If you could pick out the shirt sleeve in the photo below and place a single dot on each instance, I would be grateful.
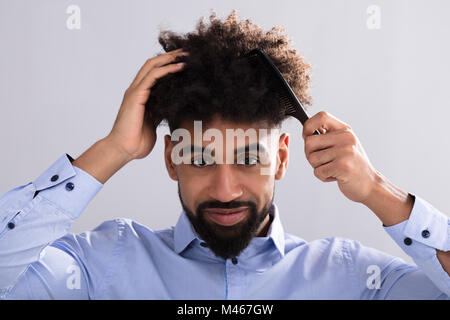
(426, 230)
(34, 215)
(375, 275)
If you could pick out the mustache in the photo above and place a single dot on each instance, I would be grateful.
(214, 204)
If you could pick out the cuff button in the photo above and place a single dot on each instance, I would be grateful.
(425, 233)
(70, 186)
(407, 241)
(11, 225)
(54, 178)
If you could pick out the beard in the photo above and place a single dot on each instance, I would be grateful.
(227, 241)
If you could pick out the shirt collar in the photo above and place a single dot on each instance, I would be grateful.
(185, 233)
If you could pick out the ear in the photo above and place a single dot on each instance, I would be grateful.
(171, 167)
(282, 156)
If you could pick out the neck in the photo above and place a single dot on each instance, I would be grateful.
(264, 227)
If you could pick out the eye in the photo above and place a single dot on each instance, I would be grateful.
(200, 162)
(248, 160)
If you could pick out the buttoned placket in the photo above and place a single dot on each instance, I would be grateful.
(235, 281)
(234, 276)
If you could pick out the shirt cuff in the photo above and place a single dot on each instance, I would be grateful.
(67, 186)
(426, 230)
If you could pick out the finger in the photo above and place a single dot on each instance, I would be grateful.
(325, 172)
(150, 78)
(323, 122)
(315, 143)
(321, 157)
(157, 61)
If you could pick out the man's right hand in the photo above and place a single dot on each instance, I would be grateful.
(130, 133)
(131, 137)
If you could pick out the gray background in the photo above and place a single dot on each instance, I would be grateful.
(60, 91)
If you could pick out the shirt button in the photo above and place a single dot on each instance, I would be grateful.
(407, 241)
(54, 178)
(11, 225)
(70, 186)
(203, 244)
(425, 233)
(234, 260)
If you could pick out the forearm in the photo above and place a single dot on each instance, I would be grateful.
(390, 204)
(102, 160)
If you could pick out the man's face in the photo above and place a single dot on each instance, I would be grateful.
(228, 203)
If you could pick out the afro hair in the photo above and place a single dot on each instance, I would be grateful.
(215, 81)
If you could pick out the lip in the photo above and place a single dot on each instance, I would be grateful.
(227, 217)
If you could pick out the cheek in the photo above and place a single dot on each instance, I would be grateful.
(192, 187)
(261, 188)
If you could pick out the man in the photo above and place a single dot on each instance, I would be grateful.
(229, 242)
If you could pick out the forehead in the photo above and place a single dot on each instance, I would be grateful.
(229, 134)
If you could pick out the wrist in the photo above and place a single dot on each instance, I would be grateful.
(119, 152)
(102, 160)
(390, 204)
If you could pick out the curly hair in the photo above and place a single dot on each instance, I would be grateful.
(215, 81)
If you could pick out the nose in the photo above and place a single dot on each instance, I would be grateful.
(225, 184)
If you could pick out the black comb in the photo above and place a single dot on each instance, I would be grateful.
(292, 106)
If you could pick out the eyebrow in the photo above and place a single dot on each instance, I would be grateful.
(254, 146)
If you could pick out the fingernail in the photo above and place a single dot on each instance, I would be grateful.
(184, 53)
(181, 64)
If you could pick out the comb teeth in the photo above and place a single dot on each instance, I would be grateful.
(285, 100)
(251, 58)
(289, 107)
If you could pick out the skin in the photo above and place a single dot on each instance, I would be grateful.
(227, 182)
(335, 155)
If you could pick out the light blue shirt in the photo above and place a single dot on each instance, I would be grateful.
(122, 259)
